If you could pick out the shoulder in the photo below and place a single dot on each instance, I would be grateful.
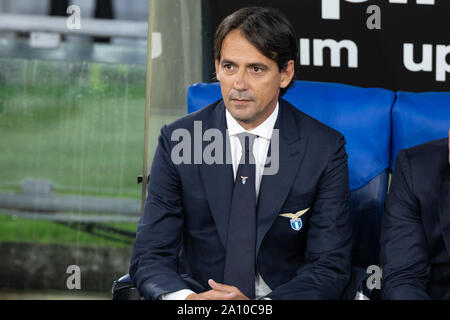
(204, 115)
(312, 128)
(433, 153)
(425, 164)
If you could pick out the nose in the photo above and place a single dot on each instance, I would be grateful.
(240, 82)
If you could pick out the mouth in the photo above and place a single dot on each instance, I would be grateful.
(241, 102)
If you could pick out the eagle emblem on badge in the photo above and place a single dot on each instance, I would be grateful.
(296, 221)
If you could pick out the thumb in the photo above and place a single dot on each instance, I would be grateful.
(217, 286)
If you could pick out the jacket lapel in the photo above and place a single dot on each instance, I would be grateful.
(275, 188)
(218, 178)
(444, 208)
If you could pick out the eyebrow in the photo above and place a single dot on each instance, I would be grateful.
(250, 65)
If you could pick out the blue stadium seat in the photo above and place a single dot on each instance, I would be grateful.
(418, 118)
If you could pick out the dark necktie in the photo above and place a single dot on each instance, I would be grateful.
(240, 255)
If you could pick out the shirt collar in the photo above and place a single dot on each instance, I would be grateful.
(264, 130)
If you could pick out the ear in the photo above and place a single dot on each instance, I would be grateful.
(216, 63)
(287, 74)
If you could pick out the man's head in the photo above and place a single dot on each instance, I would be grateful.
(255, 52)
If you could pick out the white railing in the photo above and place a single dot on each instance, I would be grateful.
(89, 27)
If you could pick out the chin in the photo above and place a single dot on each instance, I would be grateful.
(241, 115)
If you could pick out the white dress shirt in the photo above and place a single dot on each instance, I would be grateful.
(260, 148)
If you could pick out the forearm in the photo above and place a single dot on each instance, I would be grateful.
(177, 295)
(322, 279)
(406, 291)
(158, 241)
(404, 255)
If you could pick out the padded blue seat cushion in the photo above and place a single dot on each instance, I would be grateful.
(418, 118)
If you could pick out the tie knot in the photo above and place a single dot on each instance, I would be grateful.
(246, 140)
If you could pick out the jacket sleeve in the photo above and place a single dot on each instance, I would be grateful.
(404, 258)
(326, 271)
(153, 266)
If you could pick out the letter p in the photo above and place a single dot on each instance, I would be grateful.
(331, 9)
(442, 66)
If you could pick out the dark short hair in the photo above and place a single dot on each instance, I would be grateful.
(265, 28)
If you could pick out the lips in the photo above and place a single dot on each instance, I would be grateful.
(240, 102)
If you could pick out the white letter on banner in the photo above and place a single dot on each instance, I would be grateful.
(427, 58)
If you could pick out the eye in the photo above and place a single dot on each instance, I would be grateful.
(257, 69)
(228, 67)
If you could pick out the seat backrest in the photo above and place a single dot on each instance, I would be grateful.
(418, 118)
(363, 116)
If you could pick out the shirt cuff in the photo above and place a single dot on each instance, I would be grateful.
(177, 295)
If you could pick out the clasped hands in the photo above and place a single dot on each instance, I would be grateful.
(218, 291)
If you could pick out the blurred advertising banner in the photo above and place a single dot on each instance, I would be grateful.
(392, 44)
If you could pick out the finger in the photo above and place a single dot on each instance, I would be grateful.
(213, 284)
(220, 286)
(218, 295)
(222, 295)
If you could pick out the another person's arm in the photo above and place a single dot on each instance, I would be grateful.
(404, 258)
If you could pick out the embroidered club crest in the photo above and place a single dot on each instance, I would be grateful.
(295, 220)
(296, 224)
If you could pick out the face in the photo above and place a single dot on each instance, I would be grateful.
(250, 81)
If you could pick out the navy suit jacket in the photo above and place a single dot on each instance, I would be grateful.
(188, 206)
(415, 235)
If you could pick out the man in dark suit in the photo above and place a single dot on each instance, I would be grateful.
(415, 236)
(243, 229)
